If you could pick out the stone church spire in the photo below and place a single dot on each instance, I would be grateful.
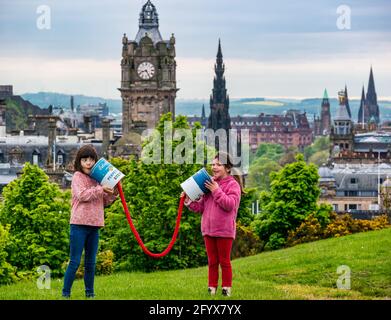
(371, 98)
(362, 112)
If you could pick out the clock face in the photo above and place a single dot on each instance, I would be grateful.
(146, 70)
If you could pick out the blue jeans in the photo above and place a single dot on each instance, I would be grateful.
(87, 238)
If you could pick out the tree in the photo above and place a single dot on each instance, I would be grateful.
(289, 156)
(259, 174)
(270, 151)
(293, 196)
(38, 213)
(320, 144)
(6, 270)
(319, 158)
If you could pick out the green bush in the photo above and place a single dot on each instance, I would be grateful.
(7, 273)
(344, 224)
(104, 264)
(247, 243)
(38, 212)
(311, 229)
(293, 196)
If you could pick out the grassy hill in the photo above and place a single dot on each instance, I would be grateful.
(307, 271)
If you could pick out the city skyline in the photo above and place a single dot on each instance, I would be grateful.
(274, 50)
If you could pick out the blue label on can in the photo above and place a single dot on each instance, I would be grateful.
(100, 169)
(200, 178)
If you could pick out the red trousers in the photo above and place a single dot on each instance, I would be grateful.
(219, 253)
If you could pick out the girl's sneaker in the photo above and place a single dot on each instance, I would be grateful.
(226, 291)
(212, 291)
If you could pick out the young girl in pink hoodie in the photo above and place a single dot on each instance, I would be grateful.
(219, 209)
(88, 201)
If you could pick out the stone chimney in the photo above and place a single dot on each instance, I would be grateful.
(3, 126)
(52, 124)
(87, 123)
(105, 137)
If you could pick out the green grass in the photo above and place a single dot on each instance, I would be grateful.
(307, 271)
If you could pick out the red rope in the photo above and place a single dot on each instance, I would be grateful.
(138, 238)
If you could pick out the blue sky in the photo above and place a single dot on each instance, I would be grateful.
(274, 48)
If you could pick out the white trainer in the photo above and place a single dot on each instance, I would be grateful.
(212, 290)
(226, 291)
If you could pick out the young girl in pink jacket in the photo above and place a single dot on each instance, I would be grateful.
(219, 209)
(87, 216)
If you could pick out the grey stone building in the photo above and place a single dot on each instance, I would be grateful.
(354, 188)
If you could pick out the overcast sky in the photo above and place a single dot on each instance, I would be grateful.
(276, 48)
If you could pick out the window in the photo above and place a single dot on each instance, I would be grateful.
(353, 180)
(36, 156)
(352, 206)
(60, 159)
(35, 159)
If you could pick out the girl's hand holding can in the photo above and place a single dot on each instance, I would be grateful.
(108, 190)
(212, 186)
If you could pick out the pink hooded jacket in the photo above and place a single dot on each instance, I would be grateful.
(88, 201)
(219, 209)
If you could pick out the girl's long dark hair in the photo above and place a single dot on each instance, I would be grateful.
(87, 151)
(226, 160)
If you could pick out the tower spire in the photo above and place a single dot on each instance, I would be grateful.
(219, 117)
(325, 116)
(361, 112)
(347, 101)
(149, 23)
(371, 93)
(219, 91)
(371, 98)
(219, 52)
(325, 95)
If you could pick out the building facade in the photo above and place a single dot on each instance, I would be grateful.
(289, 129)
(354, 188)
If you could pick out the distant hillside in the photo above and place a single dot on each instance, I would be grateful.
(44, 99)
(17, 112)
(243, 106)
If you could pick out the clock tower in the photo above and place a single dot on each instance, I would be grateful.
(148, 79)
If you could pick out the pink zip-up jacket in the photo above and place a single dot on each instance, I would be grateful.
(219, 209)
(88, 201)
